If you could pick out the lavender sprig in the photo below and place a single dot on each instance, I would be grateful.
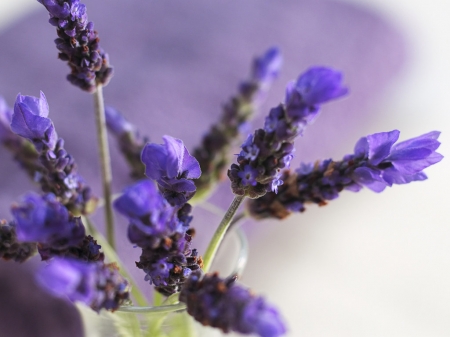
(45, 221)
(214, 151)
(128, 139)
(78, 44)
(10, 247)
(377, 163)
(163, 233)
(223, 304)
(96, 284)
(265, 153)
(58, 173)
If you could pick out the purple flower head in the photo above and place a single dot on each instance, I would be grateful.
(389, 164)
(116, 122)
(377, 162)
(223, 304)
(266, 68)
(151, 217)
(78, 44)
(95, 284)
(30, 121)
(45, 220)
(318, 85)
(171, 165)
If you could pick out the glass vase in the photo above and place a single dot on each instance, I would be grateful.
(167, 320)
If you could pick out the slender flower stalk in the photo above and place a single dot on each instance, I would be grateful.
(377, 163)
(220, 232)
(105, 164)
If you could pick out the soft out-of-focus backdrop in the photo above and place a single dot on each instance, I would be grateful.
(366, 264)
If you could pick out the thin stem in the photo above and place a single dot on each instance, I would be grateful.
(113, 257)
(236, 221)
(220, 233)
(105, 162)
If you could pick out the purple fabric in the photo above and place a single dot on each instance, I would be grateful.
(177, 61)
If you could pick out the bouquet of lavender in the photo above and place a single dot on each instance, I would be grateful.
(82, 266)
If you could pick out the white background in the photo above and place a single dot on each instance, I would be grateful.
(369, 265)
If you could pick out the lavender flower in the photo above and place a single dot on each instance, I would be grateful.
(46, 221)
(214, 150)
(225, 305)
(171, 165)
(10, 248)
(30, 121)
(130, 143)
(97, 285)
(269, 150)
(163, 233)
(375, 164)
(78, 44)
(57, 172)
(23, 151)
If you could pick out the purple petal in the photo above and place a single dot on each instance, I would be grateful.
(139, 199)
(415, 166)
(320, 84)
(191, 166)
(428, 140)
(380, 145)
(154, 157)
(175, 152)
(370, 178)
(392, 176)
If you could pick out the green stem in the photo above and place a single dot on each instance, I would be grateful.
(105, 162)
(113, 257)
(220, 233)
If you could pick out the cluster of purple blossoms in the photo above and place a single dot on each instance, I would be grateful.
(265, 153)
(10, 247)
(45, 221)
(214, 151)
(56, 170)
(96, 284)
(163, 233)
(173, 168)
(78, 44)
(223, 304)
(377, 162)
(128, 139)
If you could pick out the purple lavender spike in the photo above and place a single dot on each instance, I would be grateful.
(269, 150)
(78, 44)
(44, 220)
(223, 304)
(163, 233)
(95, 284)
(377, 163)
(55, 169)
